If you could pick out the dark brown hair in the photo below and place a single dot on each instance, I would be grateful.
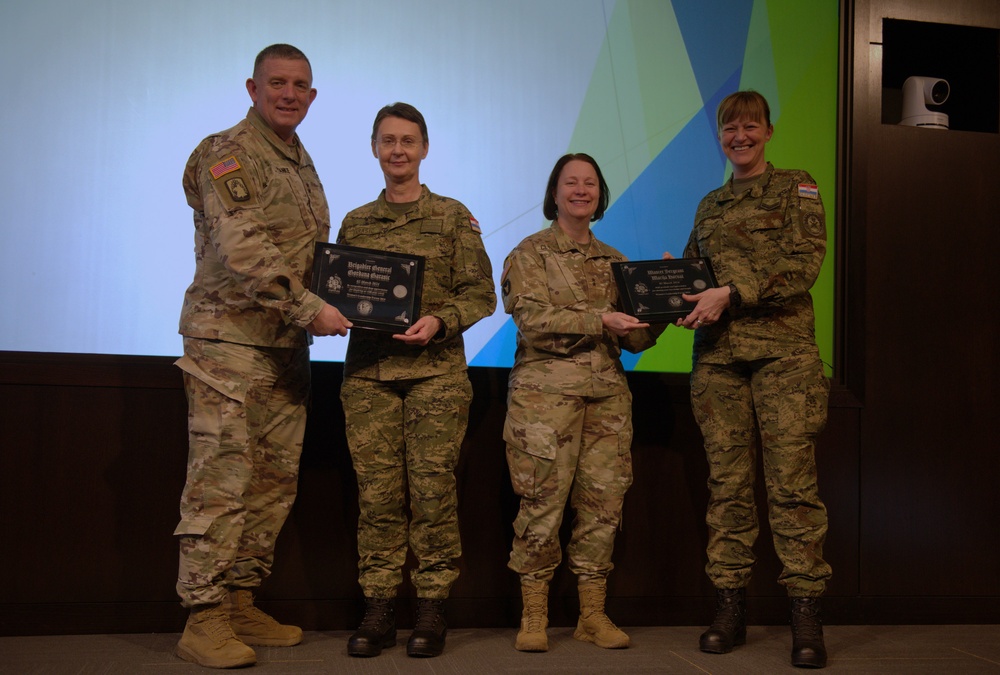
(403, 111)
(549, 209)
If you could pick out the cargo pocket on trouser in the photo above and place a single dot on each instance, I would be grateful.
(625, 476)
(608, 467)
(200, 564)
(532, 445)
(531, 457)
(699, 386)
(531, 453)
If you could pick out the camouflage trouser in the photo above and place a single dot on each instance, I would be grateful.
(405, 437)
(788, 399)
(567, 448)
(246, 420)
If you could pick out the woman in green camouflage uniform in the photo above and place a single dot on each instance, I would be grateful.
(757, 370)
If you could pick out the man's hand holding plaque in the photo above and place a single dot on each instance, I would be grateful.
(329, 321)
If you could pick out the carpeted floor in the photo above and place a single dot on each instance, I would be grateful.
(853, 649)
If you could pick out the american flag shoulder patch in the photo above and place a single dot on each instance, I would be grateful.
(474, 224)
(808, 191)
(224, 167)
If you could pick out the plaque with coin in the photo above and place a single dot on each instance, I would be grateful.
(651, 290)
(378, 290)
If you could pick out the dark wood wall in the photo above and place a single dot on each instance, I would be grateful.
(922, 234)
(93, 448)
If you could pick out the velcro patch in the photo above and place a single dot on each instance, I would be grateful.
(224, 167)
(238, 189)
(474, 224)
(813, 225)
(808, 191)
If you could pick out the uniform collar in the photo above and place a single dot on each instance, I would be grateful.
(382, 210)
(292, 151)
(564, 244)
(756, 192)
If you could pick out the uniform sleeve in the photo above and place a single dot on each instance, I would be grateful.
(472, 295)
(544, 305)
(243, 236)
(791, 262)
(691, 248)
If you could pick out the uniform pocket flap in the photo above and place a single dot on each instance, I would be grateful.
(196, 525)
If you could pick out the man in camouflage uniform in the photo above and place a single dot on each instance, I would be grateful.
(757, 368)
(406, 396)
(259, 208)
(569, 410)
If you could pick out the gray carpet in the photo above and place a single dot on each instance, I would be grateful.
(853, 649)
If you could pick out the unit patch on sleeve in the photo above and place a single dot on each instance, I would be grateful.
(238, 189)
(814, 225)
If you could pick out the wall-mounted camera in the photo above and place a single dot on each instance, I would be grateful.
(920, 92)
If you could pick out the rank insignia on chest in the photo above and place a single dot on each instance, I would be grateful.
(808, 191)
(225, 166)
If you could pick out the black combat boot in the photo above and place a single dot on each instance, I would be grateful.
(429, 631)
(377, 630)
(730, 625)
(808, 650)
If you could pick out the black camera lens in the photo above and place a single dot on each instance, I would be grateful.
(939, 93)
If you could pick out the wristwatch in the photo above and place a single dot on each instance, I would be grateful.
(734, 296)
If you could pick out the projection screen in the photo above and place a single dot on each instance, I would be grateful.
(107, 98)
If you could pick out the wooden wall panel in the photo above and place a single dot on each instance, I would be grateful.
(930, 227)
(93, 467)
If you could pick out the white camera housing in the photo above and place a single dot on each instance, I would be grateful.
(918, 93)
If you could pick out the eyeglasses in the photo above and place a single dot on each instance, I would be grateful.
(388, 142)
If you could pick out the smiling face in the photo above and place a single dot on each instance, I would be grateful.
(281, 91)
(578, 191)
(400, 146)
(743, 142)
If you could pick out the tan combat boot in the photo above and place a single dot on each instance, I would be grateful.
(594, 625)
(534, 617)
(208, 640)
(254, 627)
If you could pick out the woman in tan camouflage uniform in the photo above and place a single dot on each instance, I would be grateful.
(569, 411)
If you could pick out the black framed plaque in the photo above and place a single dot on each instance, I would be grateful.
(651, 290)
(374, 289)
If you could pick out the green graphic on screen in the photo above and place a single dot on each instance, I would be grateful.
(648, 118)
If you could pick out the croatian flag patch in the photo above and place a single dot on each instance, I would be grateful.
(808, 191)
(474, 224)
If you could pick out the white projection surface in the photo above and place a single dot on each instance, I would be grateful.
(106, 99)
